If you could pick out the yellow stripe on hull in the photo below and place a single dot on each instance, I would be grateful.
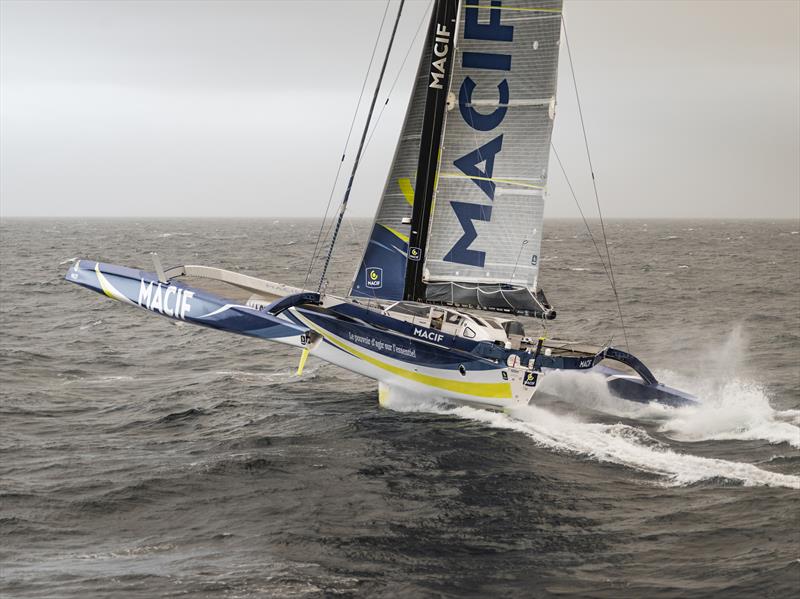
(108, 288)
(487, 390)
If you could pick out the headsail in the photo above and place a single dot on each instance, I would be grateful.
(382, 271)
(483, 249)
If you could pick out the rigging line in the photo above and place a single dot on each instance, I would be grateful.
(399, 72)
(519, 253)
(343, 205)
(585, 222)
(594, 184)
(314, 254)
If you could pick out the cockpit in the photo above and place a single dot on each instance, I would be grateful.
(502, 331)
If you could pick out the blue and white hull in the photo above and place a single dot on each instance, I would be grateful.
(401, 356)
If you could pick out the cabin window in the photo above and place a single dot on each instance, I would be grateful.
(453, 318)
(410, 309)
(514, 327)
(493, 324)
(469, 333)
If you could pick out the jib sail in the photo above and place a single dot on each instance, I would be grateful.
(382, 272)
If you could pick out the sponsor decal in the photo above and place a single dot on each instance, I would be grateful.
(168, 300)
(477, 63)
(414, 253)
(441, 48)
(384, 347)
(428, 334)
(530, 379)
(585, 363)
(374, 277)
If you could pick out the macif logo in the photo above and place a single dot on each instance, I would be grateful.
(480, 65)
(374, 277)
(440, 50)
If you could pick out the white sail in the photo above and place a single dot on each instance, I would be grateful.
(486, 227)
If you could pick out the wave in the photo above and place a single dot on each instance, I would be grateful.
(736, 410)
(276, 377)
(619, 443)
(739, 410)
(730, 408)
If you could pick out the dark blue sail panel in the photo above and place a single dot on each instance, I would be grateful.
(393, 217)
(382, 272)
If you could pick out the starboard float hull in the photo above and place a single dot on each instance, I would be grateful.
(401, 356)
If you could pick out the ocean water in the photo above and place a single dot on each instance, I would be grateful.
(140, 458)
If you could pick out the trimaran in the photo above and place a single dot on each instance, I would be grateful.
(452, 258)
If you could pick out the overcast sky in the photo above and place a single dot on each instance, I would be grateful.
(242, 109)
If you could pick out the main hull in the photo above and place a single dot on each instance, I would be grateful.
(399, 362)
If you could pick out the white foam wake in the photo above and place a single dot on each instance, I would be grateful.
(612, 443)
(731, 406)
(736, 409)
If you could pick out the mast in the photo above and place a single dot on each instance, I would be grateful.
(444, 35)
(343, 206)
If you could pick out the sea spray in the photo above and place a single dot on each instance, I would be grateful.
(731, 406)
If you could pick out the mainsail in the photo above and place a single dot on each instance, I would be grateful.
(476, 227)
